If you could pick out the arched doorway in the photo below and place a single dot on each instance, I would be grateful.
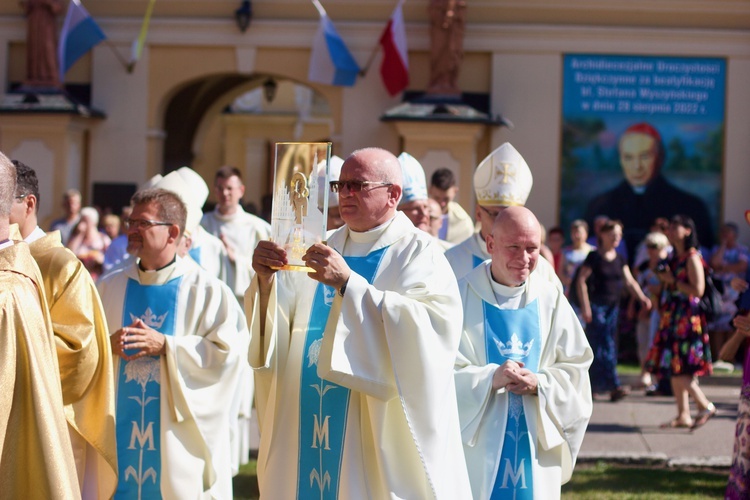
(235, 119)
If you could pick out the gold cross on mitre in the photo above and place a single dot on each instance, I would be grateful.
(504, 172)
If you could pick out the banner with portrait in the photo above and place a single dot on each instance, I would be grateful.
(643, 137)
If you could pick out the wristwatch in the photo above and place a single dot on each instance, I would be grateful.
(343, 287)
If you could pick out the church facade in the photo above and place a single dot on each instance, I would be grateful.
(204, 93)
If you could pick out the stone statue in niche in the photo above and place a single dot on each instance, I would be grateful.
(41, 42)
(447, 25)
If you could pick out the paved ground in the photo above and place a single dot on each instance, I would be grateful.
(628, 431)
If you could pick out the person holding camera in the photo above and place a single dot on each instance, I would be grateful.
(681, 347)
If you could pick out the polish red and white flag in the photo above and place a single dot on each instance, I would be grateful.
(394, 67)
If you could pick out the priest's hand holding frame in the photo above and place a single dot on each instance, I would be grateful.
(330, 267)
(268, 258)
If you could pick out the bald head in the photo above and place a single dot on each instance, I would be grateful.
(376, 202)
(381, 163)
(514, 244)
(7, 186)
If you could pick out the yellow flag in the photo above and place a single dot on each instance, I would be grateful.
(138, 43)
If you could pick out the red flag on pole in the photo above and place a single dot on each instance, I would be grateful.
(394, 67)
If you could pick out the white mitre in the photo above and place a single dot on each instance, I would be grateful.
(151, 182)
(196, 184)
(334, 171)
(174, 182)
(415, 183)
(503, 178)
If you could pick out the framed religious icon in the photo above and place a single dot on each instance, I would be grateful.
(300, 202)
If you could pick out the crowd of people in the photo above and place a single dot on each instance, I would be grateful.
(424, 354)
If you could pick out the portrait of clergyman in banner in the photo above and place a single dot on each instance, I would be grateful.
(645, 193)
(643, 137)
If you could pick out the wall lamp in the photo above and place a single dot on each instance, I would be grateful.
(269, 89)
(244, 15)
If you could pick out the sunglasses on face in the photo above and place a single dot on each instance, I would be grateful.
(356, 186)
(143, 223)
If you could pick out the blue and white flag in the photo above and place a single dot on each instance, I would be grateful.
(330, 62)
(79, 34)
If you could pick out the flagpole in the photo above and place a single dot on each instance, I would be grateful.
(137, 48)
(363, 71)
(374, 52)
(118, 55)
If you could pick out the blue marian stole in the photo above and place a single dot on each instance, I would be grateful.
(195, 253)
(476, 260)
(514, 334)
(138, 387)
(324, 405)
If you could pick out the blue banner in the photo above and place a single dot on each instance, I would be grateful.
(643, 137)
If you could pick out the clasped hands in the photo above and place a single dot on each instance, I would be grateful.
(137, 335)
(328, 265)
(513, 377)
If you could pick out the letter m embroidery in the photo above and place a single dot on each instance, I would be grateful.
(514, 475)
(142, 437)
(320, 433)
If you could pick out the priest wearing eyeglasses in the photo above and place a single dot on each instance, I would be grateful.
(354, 361)
(179, 342)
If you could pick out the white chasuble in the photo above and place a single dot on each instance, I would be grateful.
(242, 231)
(176, 412)
(209, 252)
(386, 345)
(521, 446)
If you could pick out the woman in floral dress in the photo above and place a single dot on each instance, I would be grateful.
(738, 486)
(681, 346)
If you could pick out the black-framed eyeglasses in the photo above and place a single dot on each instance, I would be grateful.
(491, 214)
(143, 223)
(356, 186)
(21, 197)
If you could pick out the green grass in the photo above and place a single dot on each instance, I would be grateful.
(246, 483)
(600, 481)
(623, 369)
(603, 481)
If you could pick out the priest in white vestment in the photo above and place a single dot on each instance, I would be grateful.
(208, 252)
(81, 341)
(180, 345)
(503, 179)
(238, 230)
(524, 393)
(354, 361)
